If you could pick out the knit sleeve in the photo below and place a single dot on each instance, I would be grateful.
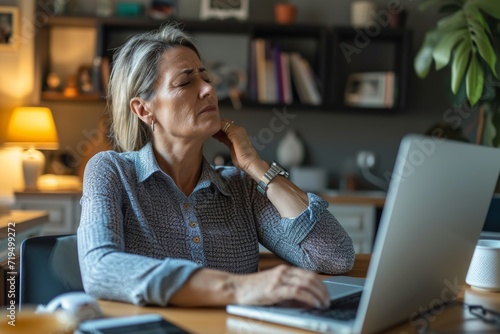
(313, 240)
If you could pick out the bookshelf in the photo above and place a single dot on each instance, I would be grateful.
(360, 51)
(316, 44)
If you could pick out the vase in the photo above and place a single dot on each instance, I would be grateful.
(362, 13)
(290, 150)
(285, 13)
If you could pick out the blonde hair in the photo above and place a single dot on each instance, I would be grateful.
(134, 74)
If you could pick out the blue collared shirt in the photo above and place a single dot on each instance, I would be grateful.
(140, 237)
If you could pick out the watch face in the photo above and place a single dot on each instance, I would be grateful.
(281, 170)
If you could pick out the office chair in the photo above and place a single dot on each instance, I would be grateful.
(48, 267)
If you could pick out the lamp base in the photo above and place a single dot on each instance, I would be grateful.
(33, 164)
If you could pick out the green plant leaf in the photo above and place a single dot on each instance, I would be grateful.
(473, 14)
(484, 46)
(442, 51)
(490, 7)
(459, 65)
(474, 81)
(454, 21)
(423, 59)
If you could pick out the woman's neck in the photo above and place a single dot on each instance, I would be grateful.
(182, 163)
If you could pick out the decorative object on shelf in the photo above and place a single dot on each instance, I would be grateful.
(465, 40)
(224, 9)
(104, 8)
(85, 81)
(32, 128)
(362, 13)
(9, 26)
(162, 9)
(229, 81)
(53, 82)
(290, 150)
(371, 90)
(129, 9)
(71, 88)
(285, 13)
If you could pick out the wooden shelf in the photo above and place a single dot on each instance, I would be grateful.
(58, 96)
(319, 44)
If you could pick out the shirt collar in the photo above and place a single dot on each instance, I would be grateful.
(146, 166)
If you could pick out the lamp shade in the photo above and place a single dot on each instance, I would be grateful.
(32, 127)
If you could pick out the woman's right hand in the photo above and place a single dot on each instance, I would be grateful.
(281, 284)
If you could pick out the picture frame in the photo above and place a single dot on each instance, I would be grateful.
(224, 9)
(9, 28)
(370, 90)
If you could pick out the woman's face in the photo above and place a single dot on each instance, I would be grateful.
(185, 103)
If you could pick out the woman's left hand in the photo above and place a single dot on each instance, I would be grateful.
(243, 154)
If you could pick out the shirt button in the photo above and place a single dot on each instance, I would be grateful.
(186, 205)
(196, 239)
(198, 261)
(192, 224)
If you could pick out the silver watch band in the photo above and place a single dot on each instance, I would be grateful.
(274, 170)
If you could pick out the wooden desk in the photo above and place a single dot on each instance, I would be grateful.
(217, 321)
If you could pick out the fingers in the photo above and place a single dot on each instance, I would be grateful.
(226, 124)
(283, 284)
(306, 287)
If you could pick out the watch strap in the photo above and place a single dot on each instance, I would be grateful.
(274, 170)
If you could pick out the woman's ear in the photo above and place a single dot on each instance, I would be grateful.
(137, 105)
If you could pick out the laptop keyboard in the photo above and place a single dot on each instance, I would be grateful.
(342, 309)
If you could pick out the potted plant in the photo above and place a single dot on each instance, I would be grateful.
(467, 39)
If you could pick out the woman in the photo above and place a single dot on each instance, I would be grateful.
(161, 226)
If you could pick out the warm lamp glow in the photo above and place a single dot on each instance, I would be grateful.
(32, 127)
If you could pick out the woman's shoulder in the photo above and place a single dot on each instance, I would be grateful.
(111, 159)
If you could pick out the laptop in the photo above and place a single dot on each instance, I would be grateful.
(436, 205)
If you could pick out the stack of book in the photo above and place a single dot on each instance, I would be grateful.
(275, 74)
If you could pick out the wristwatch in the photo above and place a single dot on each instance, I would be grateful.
(275, 169)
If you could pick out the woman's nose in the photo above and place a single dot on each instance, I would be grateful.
(206, 89)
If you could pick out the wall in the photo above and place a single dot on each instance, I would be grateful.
(332, 138)
(16, 87)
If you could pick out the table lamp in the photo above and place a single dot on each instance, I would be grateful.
(32, 128)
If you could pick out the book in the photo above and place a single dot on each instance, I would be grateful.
(298, 77)
(286, 83)
(260, 60)
(271, 84)
(311, 87)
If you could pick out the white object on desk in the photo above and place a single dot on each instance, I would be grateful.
(484, 270)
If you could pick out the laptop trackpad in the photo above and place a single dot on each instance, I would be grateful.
(343, 286)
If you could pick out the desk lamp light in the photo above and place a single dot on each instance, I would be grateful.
(32, 128)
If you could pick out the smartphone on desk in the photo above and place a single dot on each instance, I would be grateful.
(137, 324)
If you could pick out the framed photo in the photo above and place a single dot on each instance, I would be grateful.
(224, 9)
(370, 90)
(9, 26)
